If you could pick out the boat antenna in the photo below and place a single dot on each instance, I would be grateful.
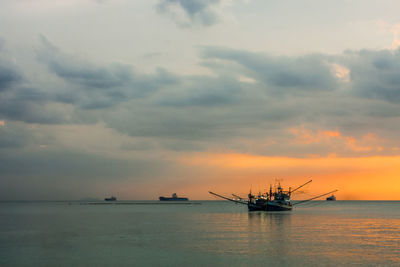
(315, 197)
(301, 186)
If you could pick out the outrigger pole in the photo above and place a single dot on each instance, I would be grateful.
(238, 197)
(227, 198)
(314, 197)
(301, 186)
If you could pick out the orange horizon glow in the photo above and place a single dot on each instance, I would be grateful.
(363, 178)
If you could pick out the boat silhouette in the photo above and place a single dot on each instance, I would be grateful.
(277, 200)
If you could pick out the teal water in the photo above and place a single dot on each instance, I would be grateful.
(213, 233)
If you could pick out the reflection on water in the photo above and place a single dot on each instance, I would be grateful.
(327, 235)
(269, 232)
(214, 233)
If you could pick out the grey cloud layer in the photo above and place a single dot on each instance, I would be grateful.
(8, 77)
(375, 74)
(307, 72)
(99, 87)
(20, 102)
(372, 74)
(212, 110)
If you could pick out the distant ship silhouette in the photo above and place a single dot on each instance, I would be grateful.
(173, 198)
(331, 198)
(112, 198)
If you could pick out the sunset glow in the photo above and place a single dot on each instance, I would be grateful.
(144, 98)
(355, 178)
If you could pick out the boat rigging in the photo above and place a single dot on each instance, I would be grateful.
(279, 200)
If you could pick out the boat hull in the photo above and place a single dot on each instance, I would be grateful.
(269, 206)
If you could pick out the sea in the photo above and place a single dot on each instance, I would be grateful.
(198, 233)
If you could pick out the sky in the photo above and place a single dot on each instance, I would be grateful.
(143, 98)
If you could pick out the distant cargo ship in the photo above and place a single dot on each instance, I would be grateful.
(173, 198)
(331, 198)
(112, 198)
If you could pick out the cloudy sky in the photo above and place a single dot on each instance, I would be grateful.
(145, 98)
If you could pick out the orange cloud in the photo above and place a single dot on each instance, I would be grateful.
(304, 136)
(351, 142)
(325, 137)
(331, 133)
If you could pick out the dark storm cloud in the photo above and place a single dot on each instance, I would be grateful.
(198, 11)
(306, 73)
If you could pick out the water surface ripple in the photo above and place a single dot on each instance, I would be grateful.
(212, 233)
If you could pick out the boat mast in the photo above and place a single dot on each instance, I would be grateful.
(270, 192)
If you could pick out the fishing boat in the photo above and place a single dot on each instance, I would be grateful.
(331, 198)
(272, 201)
(277, 200)
(112, 198)
(173, 198)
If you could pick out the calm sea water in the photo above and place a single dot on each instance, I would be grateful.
(213, 233)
